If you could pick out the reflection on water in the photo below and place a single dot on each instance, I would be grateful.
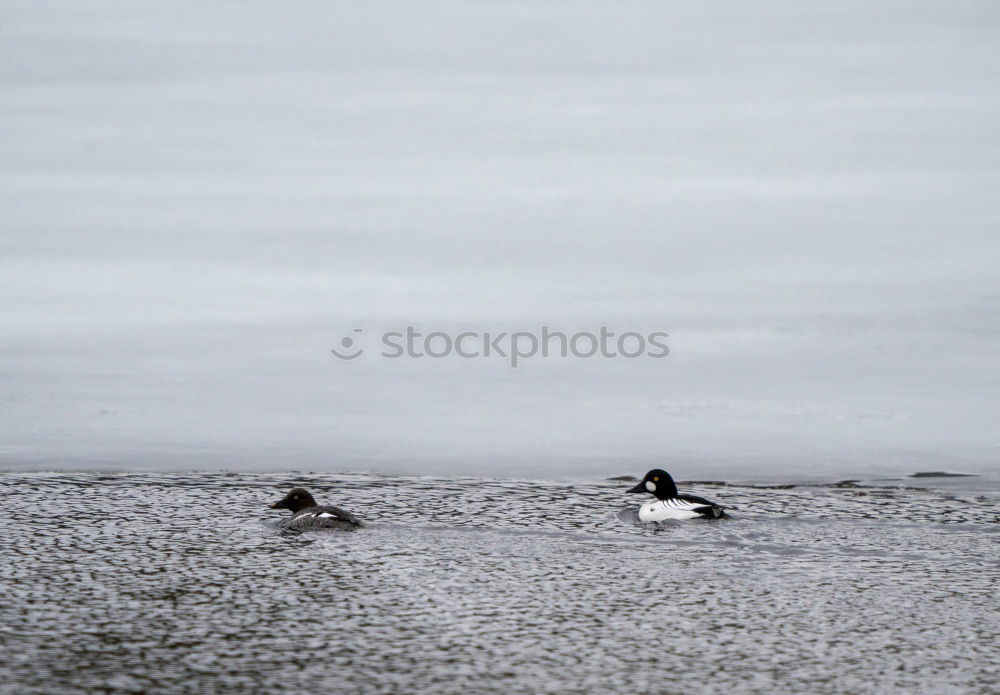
(177, 583)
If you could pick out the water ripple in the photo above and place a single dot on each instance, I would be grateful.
(180, 583)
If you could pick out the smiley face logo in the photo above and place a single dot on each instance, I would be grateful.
(347, 343)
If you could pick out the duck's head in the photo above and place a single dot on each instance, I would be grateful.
(658, 483)
(296, 500)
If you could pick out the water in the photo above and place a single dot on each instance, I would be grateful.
(123, 583)
(192, 213)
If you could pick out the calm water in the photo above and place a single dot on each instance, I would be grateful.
(182, 583)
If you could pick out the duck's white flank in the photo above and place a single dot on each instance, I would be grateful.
(660, 510)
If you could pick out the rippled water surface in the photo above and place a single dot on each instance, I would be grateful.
(184, 583)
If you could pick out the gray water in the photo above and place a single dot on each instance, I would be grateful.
(124, 583)
(200, 198)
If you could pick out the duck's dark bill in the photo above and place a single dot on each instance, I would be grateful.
(641, 487)
(280, 504)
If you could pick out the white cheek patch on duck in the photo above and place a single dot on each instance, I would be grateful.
(651, 486)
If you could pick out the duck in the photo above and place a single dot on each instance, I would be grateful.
(669, 504)
(307, 515)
